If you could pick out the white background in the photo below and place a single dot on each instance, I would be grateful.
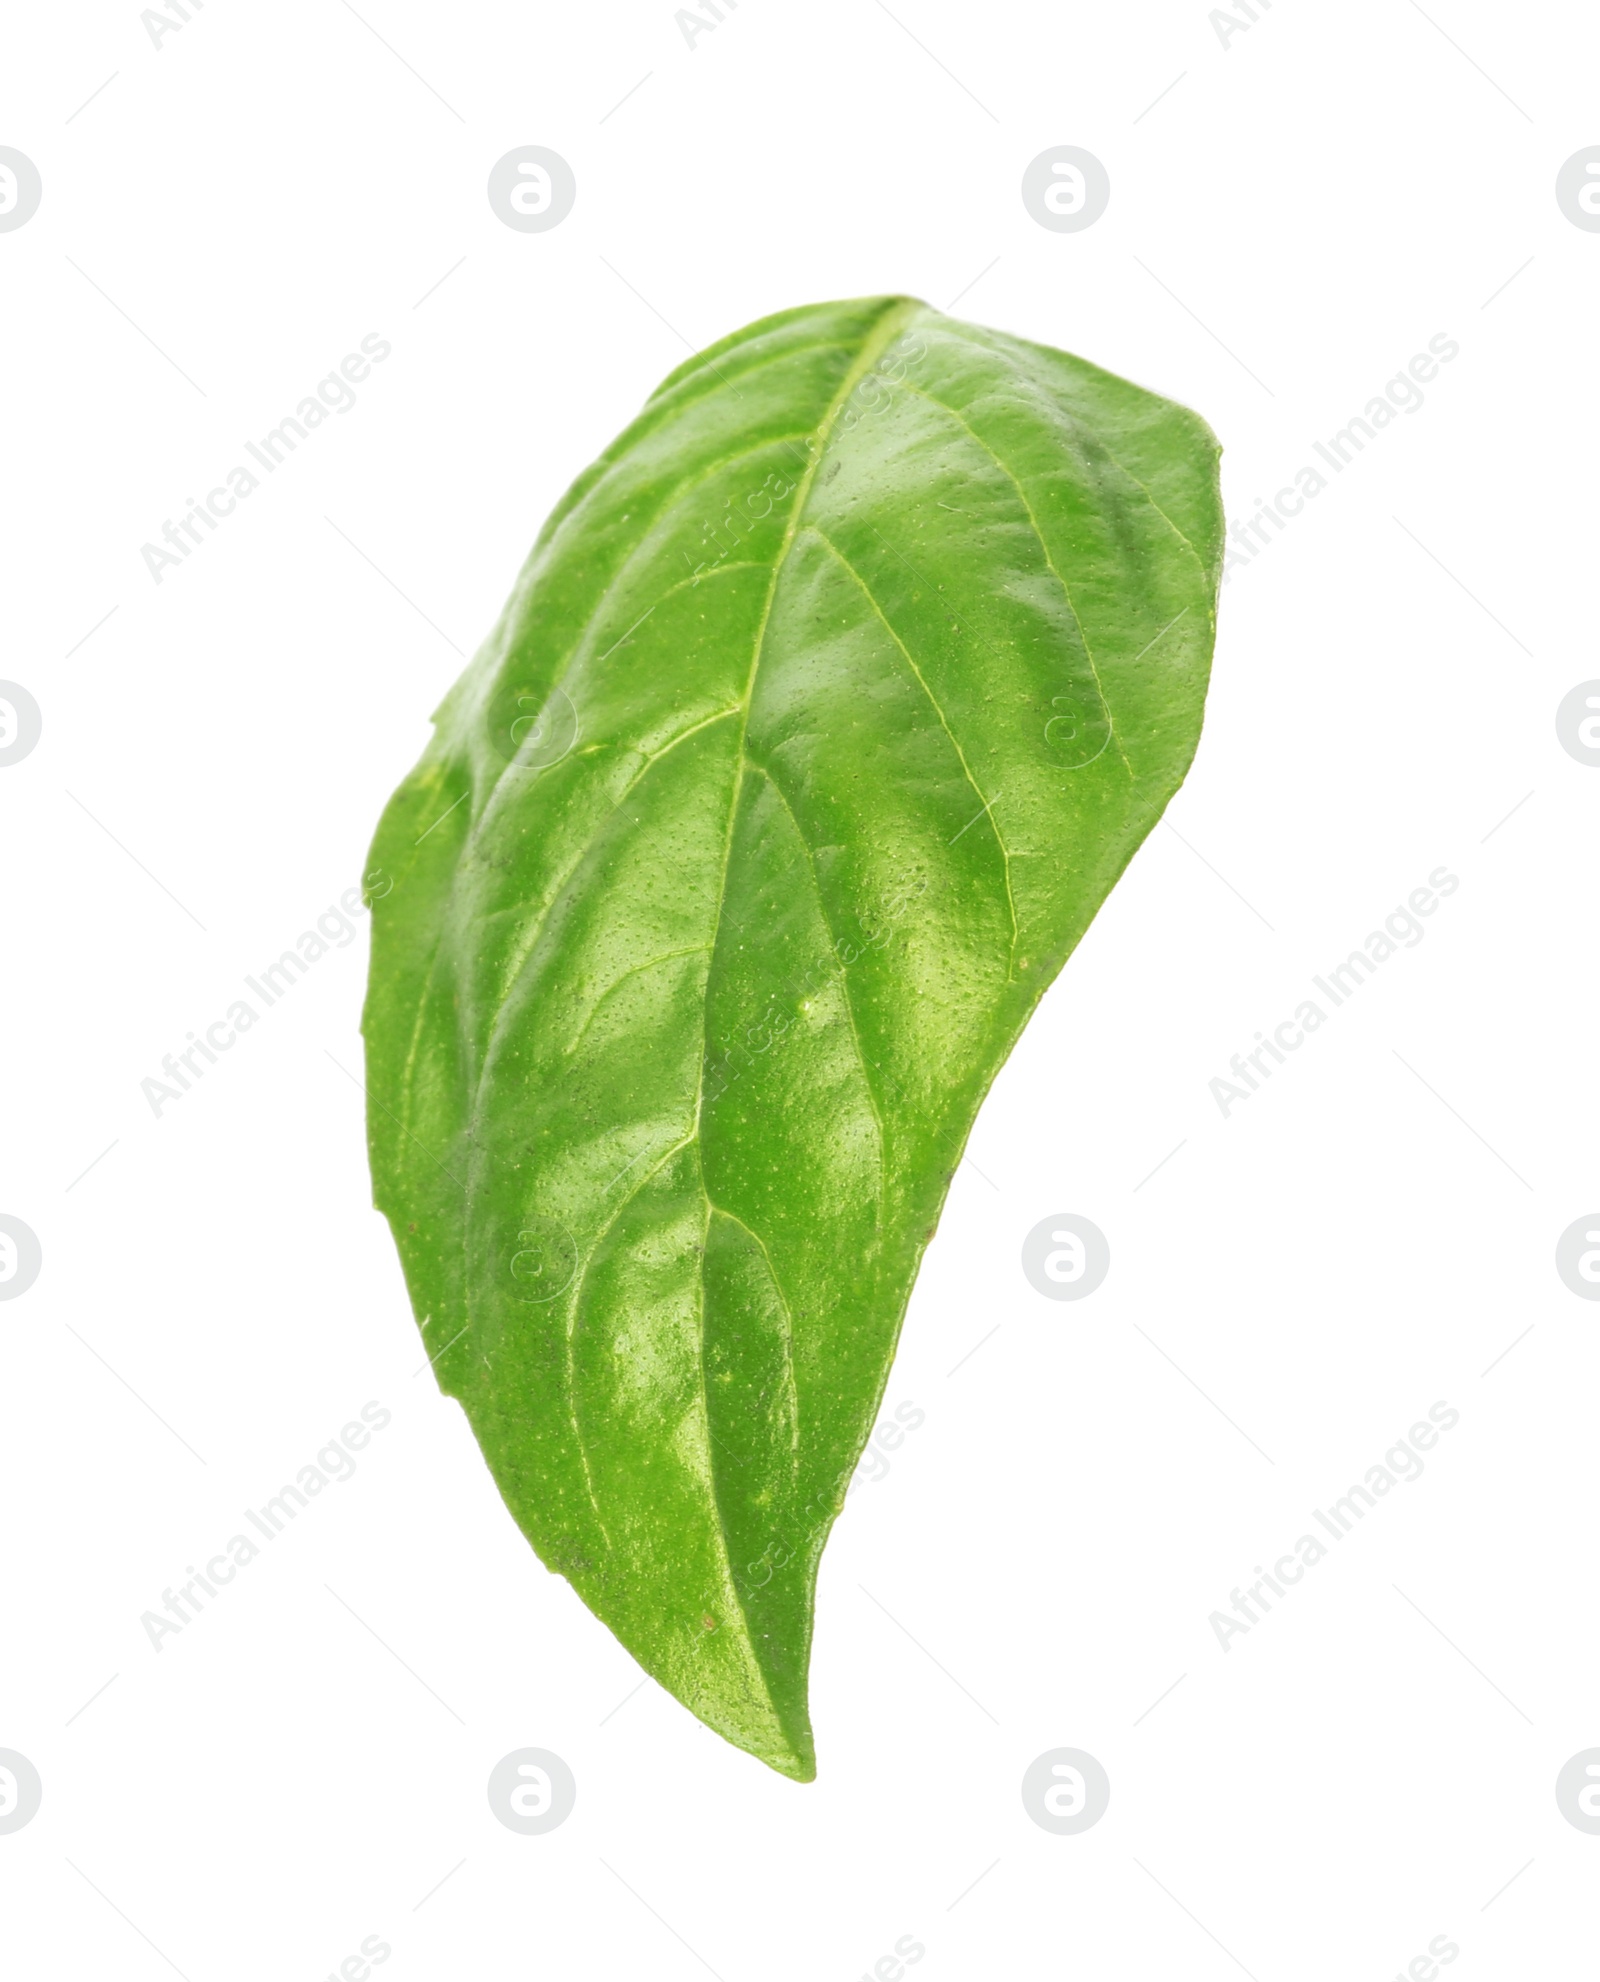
(1368, 1767)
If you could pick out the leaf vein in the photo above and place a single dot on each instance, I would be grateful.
(634, 970)
(661, 396)
(722, 1211)
(933, 702)
(1044, 547)
(522, 954)
(570, 1372)
(844, 982)
(1025, 364)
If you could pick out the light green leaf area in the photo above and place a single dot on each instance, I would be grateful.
(827, 709)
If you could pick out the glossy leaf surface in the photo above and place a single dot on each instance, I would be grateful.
(828, 708)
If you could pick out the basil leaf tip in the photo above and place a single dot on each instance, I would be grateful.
(827, 709)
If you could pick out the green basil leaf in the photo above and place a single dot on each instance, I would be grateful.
(829, 706)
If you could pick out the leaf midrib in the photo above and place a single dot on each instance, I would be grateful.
(872, 348)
